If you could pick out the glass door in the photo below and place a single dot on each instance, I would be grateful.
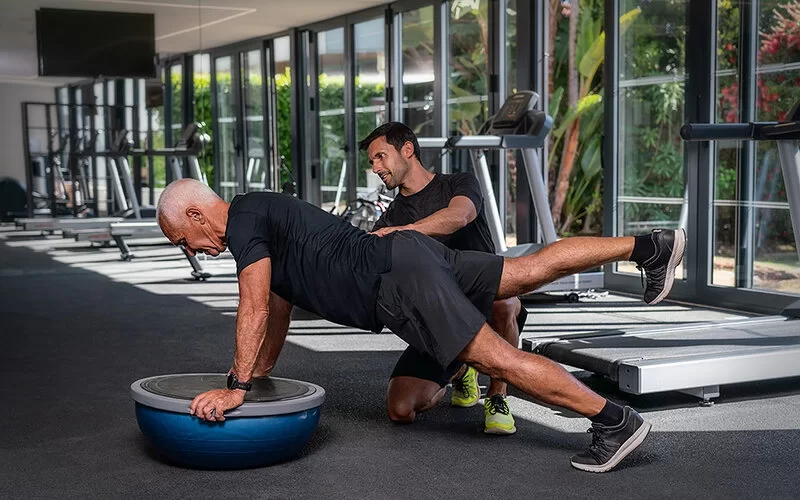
(652, 190)
(370, 94)
(332, 138)
(257, 172)
(242, 150)
(228, 145)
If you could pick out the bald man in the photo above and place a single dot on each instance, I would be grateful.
(289, 252)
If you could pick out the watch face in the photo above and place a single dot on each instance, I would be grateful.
(231, 378)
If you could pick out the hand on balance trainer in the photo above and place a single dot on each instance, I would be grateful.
(212, 405)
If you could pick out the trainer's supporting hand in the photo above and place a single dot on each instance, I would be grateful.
(212, 405)
(388, 230)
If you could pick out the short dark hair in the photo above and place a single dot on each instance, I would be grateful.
(396, 133)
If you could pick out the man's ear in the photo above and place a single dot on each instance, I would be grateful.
(407, 150)
(195, 215)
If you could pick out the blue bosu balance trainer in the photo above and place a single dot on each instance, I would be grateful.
(277, 418)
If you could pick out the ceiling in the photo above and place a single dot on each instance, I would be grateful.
(181, 25)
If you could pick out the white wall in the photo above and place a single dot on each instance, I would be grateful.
(12, 95)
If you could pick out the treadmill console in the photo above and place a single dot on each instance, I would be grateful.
(515, 109)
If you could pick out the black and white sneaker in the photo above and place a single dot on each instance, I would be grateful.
(611, 444)
(670, 245)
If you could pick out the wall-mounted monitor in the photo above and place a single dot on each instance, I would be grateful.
(91, 44)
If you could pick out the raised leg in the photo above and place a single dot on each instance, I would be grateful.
(525, 274)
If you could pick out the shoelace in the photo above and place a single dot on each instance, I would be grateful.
(460, 385)
(598, 449)
(653, 275)
(498, 405)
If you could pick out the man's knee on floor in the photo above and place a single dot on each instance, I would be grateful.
(401, 411)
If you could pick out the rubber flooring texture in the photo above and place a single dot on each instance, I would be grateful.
(73, 340)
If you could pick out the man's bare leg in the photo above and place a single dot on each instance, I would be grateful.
(504, 322)
(534, 375)
(564, 257)
(550, 383)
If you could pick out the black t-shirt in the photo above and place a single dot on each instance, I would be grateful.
(319, 262)
(436, 196)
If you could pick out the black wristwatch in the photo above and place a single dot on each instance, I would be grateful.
(233, 382)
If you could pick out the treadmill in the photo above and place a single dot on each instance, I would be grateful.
(698, 359)
(517, 126)
(143, 224)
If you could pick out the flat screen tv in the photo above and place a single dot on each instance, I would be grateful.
(88, 43)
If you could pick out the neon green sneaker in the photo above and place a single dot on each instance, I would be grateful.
(466, 391)
(498, 416)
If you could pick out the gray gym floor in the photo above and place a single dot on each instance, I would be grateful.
(78, 326)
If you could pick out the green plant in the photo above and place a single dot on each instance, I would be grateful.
(576, 105)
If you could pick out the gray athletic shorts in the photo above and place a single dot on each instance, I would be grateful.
(435, 298)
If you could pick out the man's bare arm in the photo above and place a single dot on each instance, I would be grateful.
(457, 214)
(251, 328)
(280, 313)
(252, 316)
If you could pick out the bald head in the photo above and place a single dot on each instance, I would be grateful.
(178, 197)
(192, 215)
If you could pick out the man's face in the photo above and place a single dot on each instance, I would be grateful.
(197, 236)
(387, 162)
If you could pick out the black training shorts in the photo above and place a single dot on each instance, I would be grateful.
(413, 363)
(435, 298)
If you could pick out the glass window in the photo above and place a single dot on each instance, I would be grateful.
(468, 67)
(201, 100)
(176, 113)
(652, 50)
(157, 125)
(256, 168)
(510, 11)
(226, 127)
(727, 152)
(331, 119)
(775, 265)
(370, 86)
(283, 105)
(575, 76)
(777, 79)
(418, 77)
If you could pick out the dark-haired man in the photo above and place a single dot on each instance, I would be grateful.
(449, 208)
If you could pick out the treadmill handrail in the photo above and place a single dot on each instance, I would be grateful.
(752, 131)
(432, 142)
(515, 141)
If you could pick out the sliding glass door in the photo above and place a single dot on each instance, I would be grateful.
(241, 137)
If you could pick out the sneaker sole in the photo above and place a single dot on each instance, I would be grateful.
(499, 431)
(627, 447)
(469, 405)
(674, 261)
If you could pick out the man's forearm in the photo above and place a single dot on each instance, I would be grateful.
(251, 328)
(442, 223)
(277, 328)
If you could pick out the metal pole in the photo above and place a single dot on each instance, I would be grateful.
(118, 189)
(52, 164)
(490, 205)
(539, 193)
(125, 172)
(28, 163)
